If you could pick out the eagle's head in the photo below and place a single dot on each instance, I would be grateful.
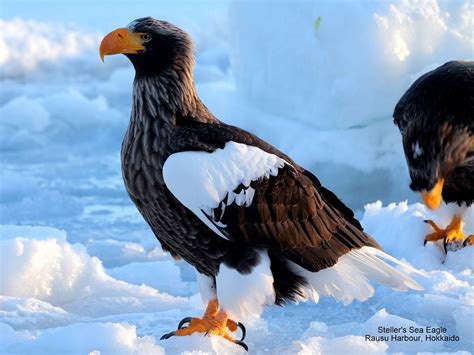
(153, 46)
(432, 118)
(434, 155)
(427, 162)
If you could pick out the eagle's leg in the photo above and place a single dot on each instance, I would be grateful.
(213, 322)
(453, 236)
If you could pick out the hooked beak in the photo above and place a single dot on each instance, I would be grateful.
(120, 41)
(432, 198)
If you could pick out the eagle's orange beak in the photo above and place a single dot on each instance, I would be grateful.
(432, 198)
(120, 41)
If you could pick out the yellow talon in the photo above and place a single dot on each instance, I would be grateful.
(453, 236)
(214, 322)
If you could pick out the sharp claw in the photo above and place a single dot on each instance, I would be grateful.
(244, 331)
(424, 242)
(467, 241)
(167, 335)
(242, 344)
(189, 319)
(454, 245)
(184, 321)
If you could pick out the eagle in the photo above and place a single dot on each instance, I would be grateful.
(436, 119)
(258, 228)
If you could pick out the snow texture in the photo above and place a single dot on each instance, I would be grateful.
(56, 300)
(80, 270)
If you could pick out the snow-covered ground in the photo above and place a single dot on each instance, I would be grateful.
(318, 79)
(58, 298)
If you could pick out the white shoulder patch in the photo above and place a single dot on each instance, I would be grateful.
(201, 180)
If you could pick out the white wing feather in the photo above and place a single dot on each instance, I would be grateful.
(201, 180)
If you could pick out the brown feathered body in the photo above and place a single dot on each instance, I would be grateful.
(293, 216)
(268, 219)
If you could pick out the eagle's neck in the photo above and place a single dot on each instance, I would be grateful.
(169, 97)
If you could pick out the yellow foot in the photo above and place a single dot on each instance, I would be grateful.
(453, 237)
(214, 322)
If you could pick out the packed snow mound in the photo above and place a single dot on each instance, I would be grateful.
(56, 290)
(31, 313)
(400, 229)
(65, 275)
(138, 273)
(352, 60)
(339, 345)
(114, 253)
(84, 338)
(57, 118)
(107, 338)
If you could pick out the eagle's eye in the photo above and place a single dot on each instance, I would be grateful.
(145, 37)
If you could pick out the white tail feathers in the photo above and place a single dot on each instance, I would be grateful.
(349, 278)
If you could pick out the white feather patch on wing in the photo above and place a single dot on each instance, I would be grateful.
(349, 278)
(207, 287)
(243, 295)
(201, 180)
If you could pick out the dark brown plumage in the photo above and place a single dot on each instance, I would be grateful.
(436, 119)
(294, 215)
(225, 201)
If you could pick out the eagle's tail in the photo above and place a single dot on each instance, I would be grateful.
(348, 279)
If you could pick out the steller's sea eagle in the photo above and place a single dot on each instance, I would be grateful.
(436, 119)
(258, 228)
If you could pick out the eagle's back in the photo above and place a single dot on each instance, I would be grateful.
(443, 95)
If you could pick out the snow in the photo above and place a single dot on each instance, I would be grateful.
(90, 338)
(64, 275)
(138, 273)
(80, 270)
(359, 47)
(55, 289)
(339, 345)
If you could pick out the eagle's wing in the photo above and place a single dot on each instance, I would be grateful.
(249, 192)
